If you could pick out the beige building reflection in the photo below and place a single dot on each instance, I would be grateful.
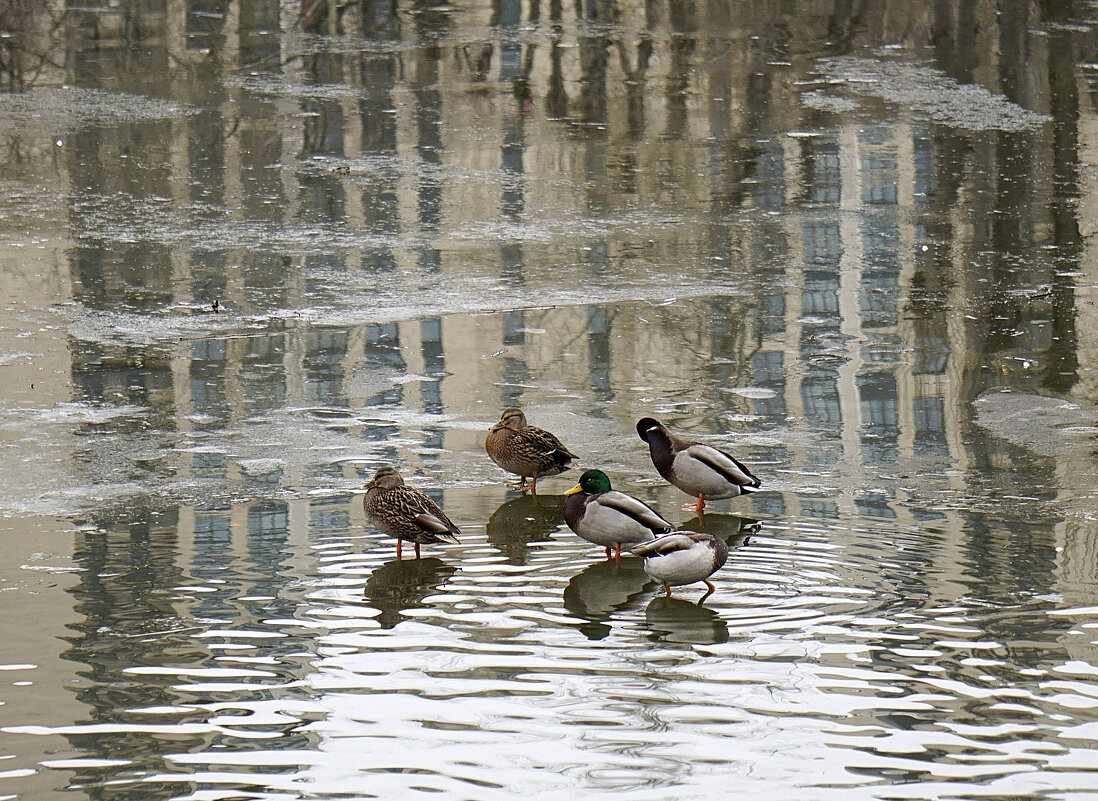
(870, 326)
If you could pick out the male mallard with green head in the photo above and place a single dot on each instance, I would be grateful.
(607, 517)
(697, 469)
(405, 512)
(683, 557)
(526, 450)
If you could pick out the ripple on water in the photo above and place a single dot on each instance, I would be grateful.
(522, 662)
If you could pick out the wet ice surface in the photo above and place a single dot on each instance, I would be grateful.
(910, 606)
(68, 108)
(930, 93)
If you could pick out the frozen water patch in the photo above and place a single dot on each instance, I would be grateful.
(1040, 424)
(302, 44)
(260, 467)
(14, 356)
(67, 414)
(127, 220)
(265, 84)
(394, 169)
(70, 108)
(147, 329)
(753, 393)
(821, 101)
(932, 93)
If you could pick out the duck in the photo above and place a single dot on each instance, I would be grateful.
(683, 557)
(405, 512)
(609, 518)
(697, 469)
(526, 450)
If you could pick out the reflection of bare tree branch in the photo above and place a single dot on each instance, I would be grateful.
(30, 31)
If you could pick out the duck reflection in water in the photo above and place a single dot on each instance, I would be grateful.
(521, 521)
(733, 529)
(402, 584)
(676, 620)
(603, 588)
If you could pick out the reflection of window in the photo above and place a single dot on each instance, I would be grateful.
(874, 507)
(823, 244)
(383, 345)
(768, 504)
(820, 300)
(882, 347)
(513, 325)
(880, 429)
(880, 194)
(820, 396)
(878, 166)
(268, 519)
(211, 531)
(931, 355)
(434, 362)
(930, 425)
(766, 367)
(877, 301)
(208, 465)
(205, 392)
(324, 352)
(923, 161)
(814, 508)
(929, 413)
(772, 313)
(770, 169)
(877, 396)
(824, 175)
(208, 350)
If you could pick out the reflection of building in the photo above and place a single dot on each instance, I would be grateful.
(862, 334)
(882, 274)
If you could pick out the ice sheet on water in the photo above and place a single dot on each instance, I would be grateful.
(931, 93)
(74, 107)
(1041, 424)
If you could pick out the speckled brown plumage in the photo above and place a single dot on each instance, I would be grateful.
(526, 450)
(405, 512)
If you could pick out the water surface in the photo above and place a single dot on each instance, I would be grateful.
(852, 250)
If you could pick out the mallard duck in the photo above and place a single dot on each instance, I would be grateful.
(607, 517)
(525, 450)
(683, 557)
(697, 469)
(405, 512)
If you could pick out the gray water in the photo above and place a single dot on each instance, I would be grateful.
(851, 246)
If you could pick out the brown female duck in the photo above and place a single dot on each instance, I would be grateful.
(525, 450)
(405, 512)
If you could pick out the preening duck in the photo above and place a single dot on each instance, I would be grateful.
(697, 469)
(683, 557)
(405, 512)
(607, 517)
(526, 450)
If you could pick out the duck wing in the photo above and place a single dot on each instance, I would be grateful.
(542, 444)
(667, 544)
(631, 507)
(724, 464)
(423, 513)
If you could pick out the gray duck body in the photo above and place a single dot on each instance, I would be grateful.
(697, 469)
(683, 557)
(607, 517)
